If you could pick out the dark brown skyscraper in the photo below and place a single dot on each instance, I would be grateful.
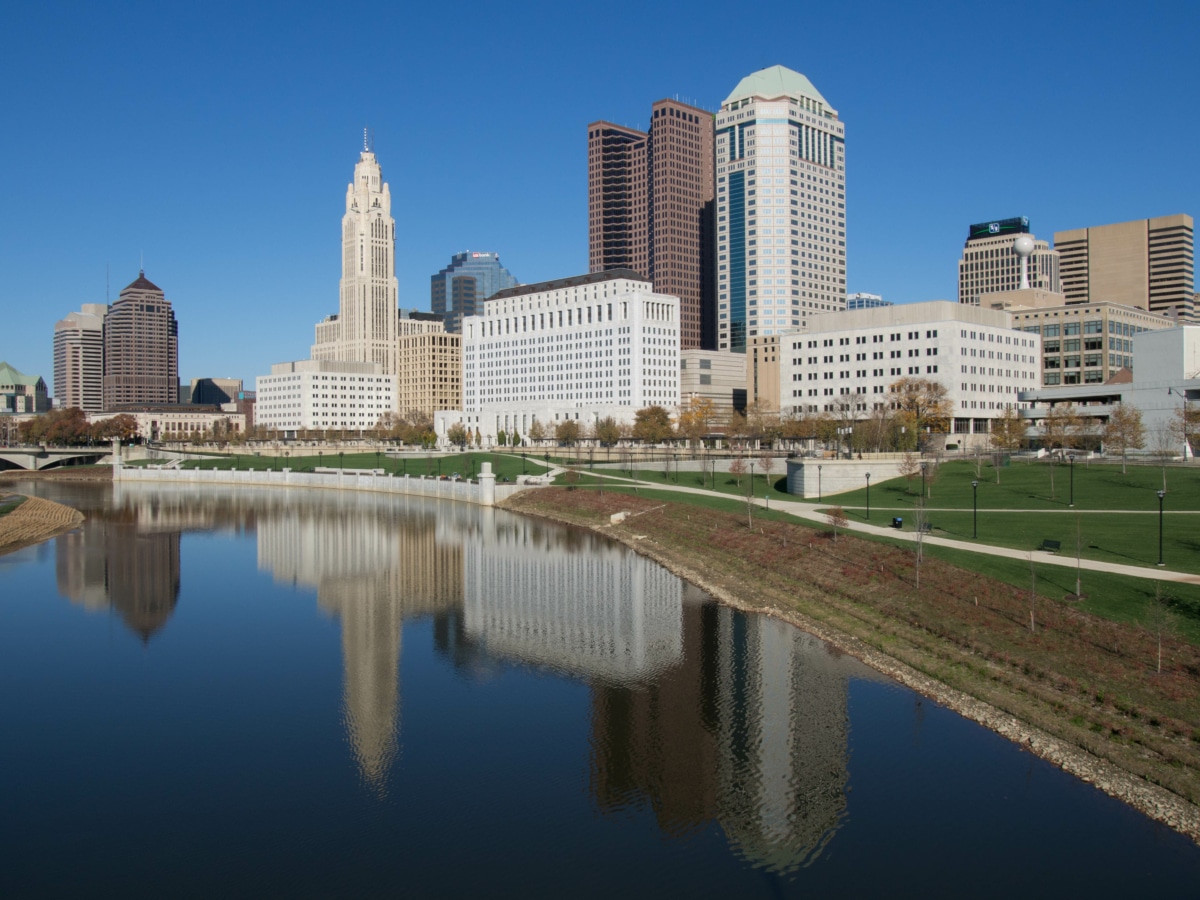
(650, 209)
(141, 347)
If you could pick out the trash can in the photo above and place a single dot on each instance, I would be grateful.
(897, 522)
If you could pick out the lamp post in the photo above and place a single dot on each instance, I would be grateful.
(975, 510)
(1071, 460)
(1161, 495)
(868, 495)
(819, 494)
(924, 469)
(522, 463)
(341, 459)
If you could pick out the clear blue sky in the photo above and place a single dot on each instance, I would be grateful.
(218, 138)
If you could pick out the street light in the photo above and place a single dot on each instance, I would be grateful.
(975, 510)
(1161, 495)
(868, 495)
(819, 495)
(924, 469)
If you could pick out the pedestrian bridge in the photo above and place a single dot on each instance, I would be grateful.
(37, 458)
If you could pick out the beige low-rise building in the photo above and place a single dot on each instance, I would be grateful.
(429, 365)
(715, 375)
(762, 370)
(1082, 343)
(177, 422)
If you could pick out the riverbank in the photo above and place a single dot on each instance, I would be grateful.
(1087, 694)
(35, 520)
(68, 473)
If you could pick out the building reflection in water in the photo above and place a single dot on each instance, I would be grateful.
(372, 566)
(750, 731)
(699, 712)
(121, 560)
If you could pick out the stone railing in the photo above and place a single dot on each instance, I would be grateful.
(483, 492)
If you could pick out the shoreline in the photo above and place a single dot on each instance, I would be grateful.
(35, 521)
(1158, 803)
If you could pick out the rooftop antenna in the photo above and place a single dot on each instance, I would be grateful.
(141, 263)
(365, 147)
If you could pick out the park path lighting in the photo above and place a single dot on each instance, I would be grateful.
(924, 471)
(975, 510)
(1161, 495)
(522, 463)
(820, 495)
(868, 495)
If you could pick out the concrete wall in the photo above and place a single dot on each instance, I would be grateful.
(811, 478)
(482, 493)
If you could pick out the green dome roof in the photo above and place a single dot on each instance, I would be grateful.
(776, 81)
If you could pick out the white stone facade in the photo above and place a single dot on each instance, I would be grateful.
(323, 395)
(781, 207)
(364, 329)
(581, 348)
(855, 356)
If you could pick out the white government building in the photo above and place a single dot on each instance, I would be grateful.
(855, 356)
(581, 348)
(318, 395)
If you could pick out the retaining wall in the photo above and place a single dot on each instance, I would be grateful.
(484, 492)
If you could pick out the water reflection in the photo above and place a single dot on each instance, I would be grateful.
(698, 712)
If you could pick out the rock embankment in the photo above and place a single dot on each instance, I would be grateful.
(34, 521)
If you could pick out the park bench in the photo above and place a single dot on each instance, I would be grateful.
(927, 527)
(1050, 546)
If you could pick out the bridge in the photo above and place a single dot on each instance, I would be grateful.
(37, 458)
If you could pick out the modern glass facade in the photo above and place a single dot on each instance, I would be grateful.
(459, 289)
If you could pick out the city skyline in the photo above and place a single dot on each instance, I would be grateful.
(216, 160)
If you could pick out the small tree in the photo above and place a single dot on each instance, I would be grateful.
(1124, 431)
(921, 523)
(910, 466)
(766, 462)
(608, 432)
(457, 435)
(836, 516)
(537, 431)
(567, 432)
(696, 419)
(737, 468)
(1008, 434)
(1162, 445)
(1160, 620)
(652, 424)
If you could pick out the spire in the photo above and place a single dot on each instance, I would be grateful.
(366, 147)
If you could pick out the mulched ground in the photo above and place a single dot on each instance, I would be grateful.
(1083, 679)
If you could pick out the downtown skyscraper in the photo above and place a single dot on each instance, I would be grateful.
(781, 207)
(364, 328)
(650, 209)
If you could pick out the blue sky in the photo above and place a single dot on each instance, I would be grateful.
(218, 139)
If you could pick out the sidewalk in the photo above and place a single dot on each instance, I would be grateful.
(808, 512)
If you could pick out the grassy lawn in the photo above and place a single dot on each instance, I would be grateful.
(465, 464)
(8, 504)
(1020, 512)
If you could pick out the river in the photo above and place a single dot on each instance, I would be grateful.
(244, 693)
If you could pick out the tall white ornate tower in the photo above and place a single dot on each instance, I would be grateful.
(365, 328)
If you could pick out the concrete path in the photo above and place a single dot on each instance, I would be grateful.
(809, 512)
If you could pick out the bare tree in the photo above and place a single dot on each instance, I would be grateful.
(1160, 620)
(1008, 434)
(1032, 593)
(921, 523)
(766, 462)
(910, 466)
(1124, 431)
(836, 516)
(1162, 445)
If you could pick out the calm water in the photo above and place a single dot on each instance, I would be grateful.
(207, 693)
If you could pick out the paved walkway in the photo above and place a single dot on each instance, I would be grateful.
(809, 512)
